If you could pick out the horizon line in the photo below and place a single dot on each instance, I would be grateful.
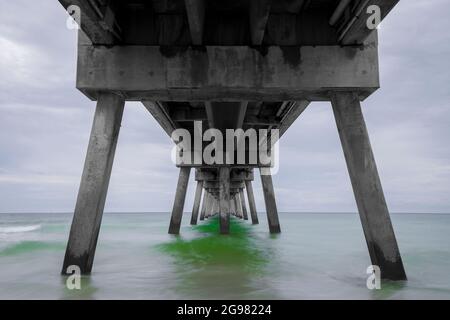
(188, 212)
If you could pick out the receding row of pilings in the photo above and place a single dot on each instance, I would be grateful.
(224, 183)
(222, 190)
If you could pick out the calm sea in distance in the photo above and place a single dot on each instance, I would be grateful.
(317, 256)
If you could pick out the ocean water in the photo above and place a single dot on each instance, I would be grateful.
(317, 256)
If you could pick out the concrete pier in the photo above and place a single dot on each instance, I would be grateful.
(251, 202)
(228, 65)
(243, 205)
(237, 202)
(215, 207)
(209, 204)
(180, 197)
(224, 200)
(197, 198)
(204, 204)
(88, 213)
(373, 211)
(271, 206)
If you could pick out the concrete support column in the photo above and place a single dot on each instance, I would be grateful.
(224, 200)
(215, 207)
(233, 206)
(204, 204)
(180, 197)
(197, 198)
(209, 205)
(243, 205)
(373, 211)
(251, 202)
(271, 206)
(237, 200)
(94, 183)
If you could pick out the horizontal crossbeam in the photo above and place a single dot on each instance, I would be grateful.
(227, 73)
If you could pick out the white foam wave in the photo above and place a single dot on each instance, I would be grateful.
(17, 229)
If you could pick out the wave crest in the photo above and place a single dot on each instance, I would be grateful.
(17, 229)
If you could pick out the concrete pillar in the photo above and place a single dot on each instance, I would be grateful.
(209, 205)
(232, 206)
(238, 205)
(271, 206)
(197, 198)
(224, 200)
(215, 207)
(94, 183)
(373, 211)
(204, 203)
(251, 202)
(243, 205)
(180, 197)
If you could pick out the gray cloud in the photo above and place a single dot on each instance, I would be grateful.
(45, 123)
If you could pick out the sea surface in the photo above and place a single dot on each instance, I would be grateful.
(317, 256)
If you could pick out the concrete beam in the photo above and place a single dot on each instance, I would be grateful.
(203, 175)
(190, 74)
(190, 115)
(97, 22)
(236, 175)
(373, 211)
(295, 6)
(339, 11)
(216, 184)
(292, 114)
(195, 10)
(180, 197)
(161, 115)
(258, 14)
(294, 110)
(94, 183)
(251, 120)
(225, 115)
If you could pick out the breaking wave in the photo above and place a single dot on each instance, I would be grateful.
(18, 229)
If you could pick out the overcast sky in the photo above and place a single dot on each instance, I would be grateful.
(45, 124)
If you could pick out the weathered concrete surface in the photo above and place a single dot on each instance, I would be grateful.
(259, 12)
(224, 200)
(271, 206)
(378, 230)
(209, 203)
(215, 207)
(237, 201)
(201, 22)
(195, 10)
(251, 202)
(94, 183)
(186, 74)
(197, 198)
(204, 204)
(243, 205)
(180, 197)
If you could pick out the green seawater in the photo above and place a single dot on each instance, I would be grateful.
(317, 256)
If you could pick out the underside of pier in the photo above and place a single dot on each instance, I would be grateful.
(234, 64)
